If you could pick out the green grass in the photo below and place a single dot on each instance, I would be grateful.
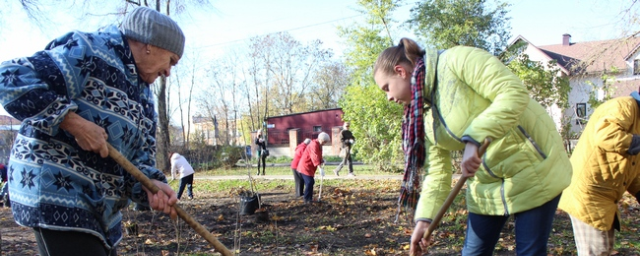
(223, 186)
(286, 170)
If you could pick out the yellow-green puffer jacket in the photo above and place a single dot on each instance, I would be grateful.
(476, 97)
(602, 168)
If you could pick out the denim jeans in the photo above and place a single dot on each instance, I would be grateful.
(532, 231)
(308, 190)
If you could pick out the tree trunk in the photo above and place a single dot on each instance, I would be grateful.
(162, 137)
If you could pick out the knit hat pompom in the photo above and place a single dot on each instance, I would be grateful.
(148, 26)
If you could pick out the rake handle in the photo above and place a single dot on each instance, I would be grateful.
(452, 195)
(146, 182)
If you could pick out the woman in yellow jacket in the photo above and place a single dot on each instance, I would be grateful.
(605, 165)
(464, 95)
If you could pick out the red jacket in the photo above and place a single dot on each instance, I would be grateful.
(298, 154)
(311, 158)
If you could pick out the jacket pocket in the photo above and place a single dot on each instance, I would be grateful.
(532, 145)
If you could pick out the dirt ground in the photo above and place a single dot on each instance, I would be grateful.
(347, 221)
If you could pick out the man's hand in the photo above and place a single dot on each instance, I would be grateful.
(89, 135)
(164, 200)
(419, 244)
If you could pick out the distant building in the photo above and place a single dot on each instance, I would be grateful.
(285, 132)
(584, 63)
(217, 133)
(205, 128)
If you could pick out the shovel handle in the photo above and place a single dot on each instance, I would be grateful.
(146, 182)
(452, 195)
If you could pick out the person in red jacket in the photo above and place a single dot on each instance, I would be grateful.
(309, 162)
(299, 188)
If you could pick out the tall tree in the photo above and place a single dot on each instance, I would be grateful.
(328, 85)
(375, 121)
(447, 23)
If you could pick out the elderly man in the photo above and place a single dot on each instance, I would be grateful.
(86, 90)
(309, 162)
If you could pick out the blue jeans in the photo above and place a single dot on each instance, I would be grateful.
(308, 190)
(532, 231)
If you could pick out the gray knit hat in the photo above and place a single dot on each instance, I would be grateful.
(148, 26)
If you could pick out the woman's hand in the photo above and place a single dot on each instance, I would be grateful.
(419, 244)
(470, 160)
(89, 136)
(163, 200)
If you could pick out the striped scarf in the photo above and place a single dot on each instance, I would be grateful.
(413, 137)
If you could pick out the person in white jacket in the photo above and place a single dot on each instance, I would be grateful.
(182, 168)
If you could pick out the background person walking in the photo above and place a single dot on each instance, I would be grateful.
(262, 152)
(346, 140)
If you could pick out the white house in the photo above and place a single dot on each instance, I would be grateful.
(585, 63)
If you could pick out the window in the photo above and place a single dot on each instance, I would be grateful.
(636, 67)
(581, 113)
(317, 128)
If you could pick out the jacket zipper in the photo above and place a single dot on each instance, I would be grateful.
(502, 197)
(535, 145)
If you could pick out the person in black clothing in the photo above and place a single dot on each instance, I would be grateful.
(262, 152)
(347, 140)
(4, 192)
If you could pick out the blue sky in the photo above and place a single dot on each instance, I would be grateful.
(229, 23)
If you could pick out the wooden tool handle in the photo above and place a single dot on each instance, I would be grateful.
(452, 195)
(146, 182)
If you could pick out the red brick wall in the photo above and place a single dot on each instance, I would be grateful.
(305, 122)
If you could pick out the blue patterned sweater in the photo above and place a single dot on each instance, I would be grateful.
(53, 183)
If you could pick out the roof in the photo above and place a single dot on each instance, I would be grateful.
(302, 113)
(625, 87)
(596, 56)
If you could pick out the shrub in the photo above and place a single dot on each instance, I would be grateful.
(228, 156)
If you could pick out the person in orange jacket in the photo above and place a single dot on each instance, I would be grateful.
(309, 162)
(297, 177)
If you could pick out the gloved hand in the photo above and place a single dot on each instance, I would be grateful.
(321, 171)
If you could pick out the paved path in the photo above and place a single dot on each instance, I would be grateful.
(290, 177)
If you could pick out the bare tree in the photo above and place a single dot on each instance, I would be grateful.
(328, 85)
